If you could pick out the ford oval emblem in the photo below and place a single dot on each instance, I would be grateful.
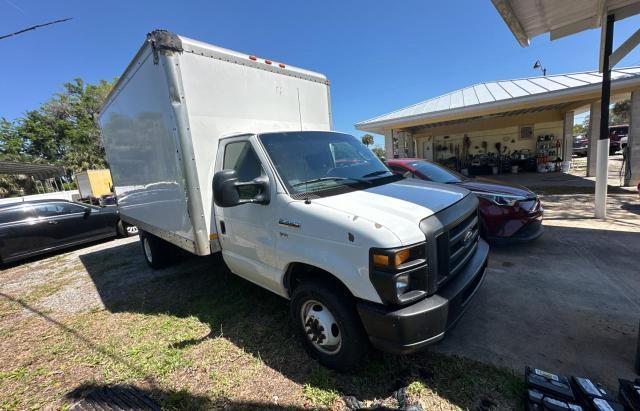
(467, 236)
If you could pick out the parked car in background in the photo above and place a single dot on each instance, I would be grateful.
(36, 227)
(580, 145)
(124, 229)
(508, 213)
(616, 133)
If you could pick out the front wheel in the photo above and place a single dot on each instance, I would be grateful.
(326, 322)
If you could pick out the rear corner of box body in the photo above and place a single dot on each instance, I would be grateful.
(142, 142)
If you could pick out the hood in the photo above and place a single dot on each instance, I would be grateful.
(486, 185)
(398, 206)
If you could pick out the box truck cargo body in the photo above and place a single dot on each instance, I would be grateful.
(162, 123)
(214, 150)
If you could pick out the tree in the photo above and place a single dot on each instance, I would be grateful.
(63, 131)
(581, 128)
(378, 152)
(367, 140)
(620, 113)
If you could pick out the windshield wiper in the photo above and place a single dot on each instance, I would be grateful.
(376, 173)
(320, 179)
(317, 180)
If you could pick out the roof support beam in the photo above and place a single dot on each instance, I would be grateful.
(624, 49)
(572, 28)
(506, 11)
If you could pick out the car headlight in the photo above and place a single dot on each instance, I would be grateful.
(399, 275)
(501, 199)
(402, 284)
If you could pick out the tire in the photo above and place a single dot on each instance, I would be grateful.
(122, 232)
(156, 252)
(310, 303)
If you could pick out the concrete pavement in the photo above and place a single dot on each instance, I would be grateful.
(569, 302)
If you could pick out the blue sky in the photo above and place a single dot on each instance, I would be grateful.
(379, 55)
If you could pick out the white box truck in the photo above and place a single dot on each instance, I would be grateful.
(212, 150)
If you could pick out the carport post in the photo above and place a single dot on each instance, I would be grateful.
(602, 156)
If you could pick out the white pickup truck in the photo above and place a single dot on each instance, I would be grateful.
(213, 150)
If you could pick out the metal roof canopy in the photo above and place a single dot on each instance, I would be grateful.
(39, 171)
(503, 96)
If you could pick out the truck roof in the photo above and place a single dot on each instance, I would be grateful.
(166, 40)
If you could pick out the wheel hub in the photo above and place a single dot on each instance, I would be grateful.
(321, 327)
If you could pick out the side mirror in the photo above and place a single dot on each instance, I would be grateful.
(87, 212)
(227, 188)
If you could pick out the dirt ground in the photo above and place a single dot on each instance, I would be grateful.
(194, 336)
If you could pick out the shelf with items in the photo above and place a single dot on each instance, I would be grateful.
(548, 153)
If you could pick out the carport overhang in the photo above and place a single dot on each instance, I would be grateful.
(38, 171)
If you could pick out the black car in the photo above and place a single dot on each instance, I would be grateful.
(36, 227)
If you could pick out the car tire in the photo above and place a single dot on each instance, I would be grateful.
(322, 311)
(156, 252)
(122, 232)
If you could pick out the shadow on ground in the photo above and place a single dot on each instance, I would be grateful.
(127, 397)
(257, 321)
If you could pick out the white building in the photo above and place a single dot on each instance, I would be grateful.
(513, 113)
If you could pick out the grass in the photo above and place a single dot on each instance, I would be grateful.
(196, 337)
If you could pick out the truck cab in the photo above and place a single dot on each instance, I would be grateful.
(363, 254)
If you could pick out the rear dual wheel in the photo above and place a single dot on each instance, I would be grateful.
(157, 252)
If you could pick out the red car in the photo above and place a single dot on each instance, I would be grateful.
(508, 213)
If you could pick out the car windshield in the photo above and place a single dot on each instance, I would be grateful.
(314, 160)
(437, 173)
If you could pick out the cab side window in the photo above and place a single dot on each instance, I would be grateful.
(241, 157)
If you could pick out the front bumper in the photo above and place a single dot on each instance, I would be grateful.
(527, 233)
(408, 329)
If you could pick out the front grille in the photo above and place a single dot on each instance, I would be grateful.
(455, 246)
(452, 237)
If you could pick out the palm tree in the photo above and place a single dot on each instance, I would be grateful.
(367, 140)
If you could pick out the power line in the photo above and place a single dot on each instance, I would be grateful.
(34, 27)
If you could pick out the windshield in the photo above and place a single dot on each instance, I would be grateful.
(315, 160)
(437, 173)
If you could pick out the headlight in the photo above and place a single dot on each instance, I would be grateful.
(402, 284)
(399, 275)
(501, 199)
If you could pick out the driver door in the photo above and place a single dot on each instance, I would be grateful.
(246, 231)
